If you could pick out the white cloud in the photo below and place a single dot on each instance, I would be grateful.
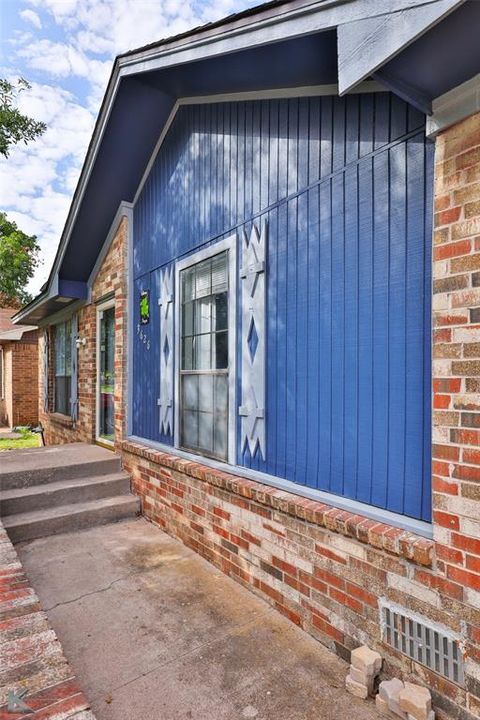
(28, 177)
(37, 181)
(31, 17)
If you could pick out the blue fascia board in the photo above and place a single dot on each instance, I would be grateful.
(58, 296)
(74, 289)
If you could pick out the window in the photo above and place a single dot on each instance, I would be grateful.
(62, 343)
(204, 357)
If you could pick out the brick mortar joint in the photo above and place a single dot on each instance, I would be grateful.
(381, 536)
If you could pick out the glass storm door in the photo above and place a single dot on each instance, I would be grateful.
(204, 357)
(106, 374)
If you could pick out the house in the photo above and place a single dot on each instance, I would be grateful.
(18, 372)
(266, 299)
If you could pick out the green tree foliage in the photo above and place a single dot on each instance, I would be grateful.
(14, 126)
(19, 257)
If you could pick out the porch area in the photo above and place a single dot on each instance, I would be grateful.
(152, 630)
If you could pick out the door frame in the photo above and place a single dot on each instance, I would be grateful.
(101, 307)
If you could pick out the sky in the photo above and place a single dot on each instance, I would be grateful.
(65, 49)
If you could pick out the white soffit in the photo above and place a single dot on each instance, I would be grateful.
(366, 44)
(454, 106)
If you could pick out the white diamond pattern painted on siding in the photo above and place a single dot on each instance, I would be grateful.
(165, 401)
(252, 408)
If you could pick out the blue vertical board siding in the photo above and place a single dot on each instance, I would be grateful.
(345, 185)
(381, 314)
(351, 359)
(326, 333)
(397, 327)
(337, 287)
(365, 329)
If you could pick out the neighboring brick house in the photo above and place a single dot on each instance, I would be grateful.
(247, 317)
(18, 372)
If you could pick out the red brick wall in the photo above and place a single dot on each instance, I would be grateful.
(111, 280)
(20, 405)
(456, 370)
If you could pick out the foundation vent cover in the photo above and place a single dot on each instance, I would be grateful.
(425, 643)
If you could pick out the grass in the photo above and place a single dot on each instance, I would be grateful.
(28, 439)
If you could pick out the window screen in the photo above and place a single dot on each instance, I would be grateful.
(63, 366)
(204, 357)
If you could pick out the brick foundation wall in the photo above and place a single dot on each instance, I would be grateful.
(323, 568)
(110, 281)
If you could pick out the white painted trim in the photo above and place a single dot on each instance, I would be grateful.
(454, 106)
(122, 212)
(128, 343)
(99, 309)
(156, 150)
(229, 244)
(418, 527)
(274, 24)
(367, 44)
(281, 93)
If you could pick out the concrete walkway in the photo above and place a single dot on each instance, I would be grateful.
(155, 632)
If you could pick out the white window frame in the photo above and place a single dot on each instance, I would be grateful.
(230, 245)
(101, 307)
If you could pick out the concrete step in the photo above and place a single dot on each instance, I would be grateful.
(65, 518)
(55, 463)
(54, 494)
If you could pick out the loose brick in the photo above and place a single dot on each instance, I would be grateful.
(365, 659)
(389, 691)
(356, 688)
(416, 701)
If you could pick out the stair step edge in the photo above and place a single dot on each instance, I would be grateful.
(62, 484)
(11, 521)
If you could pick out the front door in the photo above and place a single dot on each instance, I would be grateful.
(106, 373)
